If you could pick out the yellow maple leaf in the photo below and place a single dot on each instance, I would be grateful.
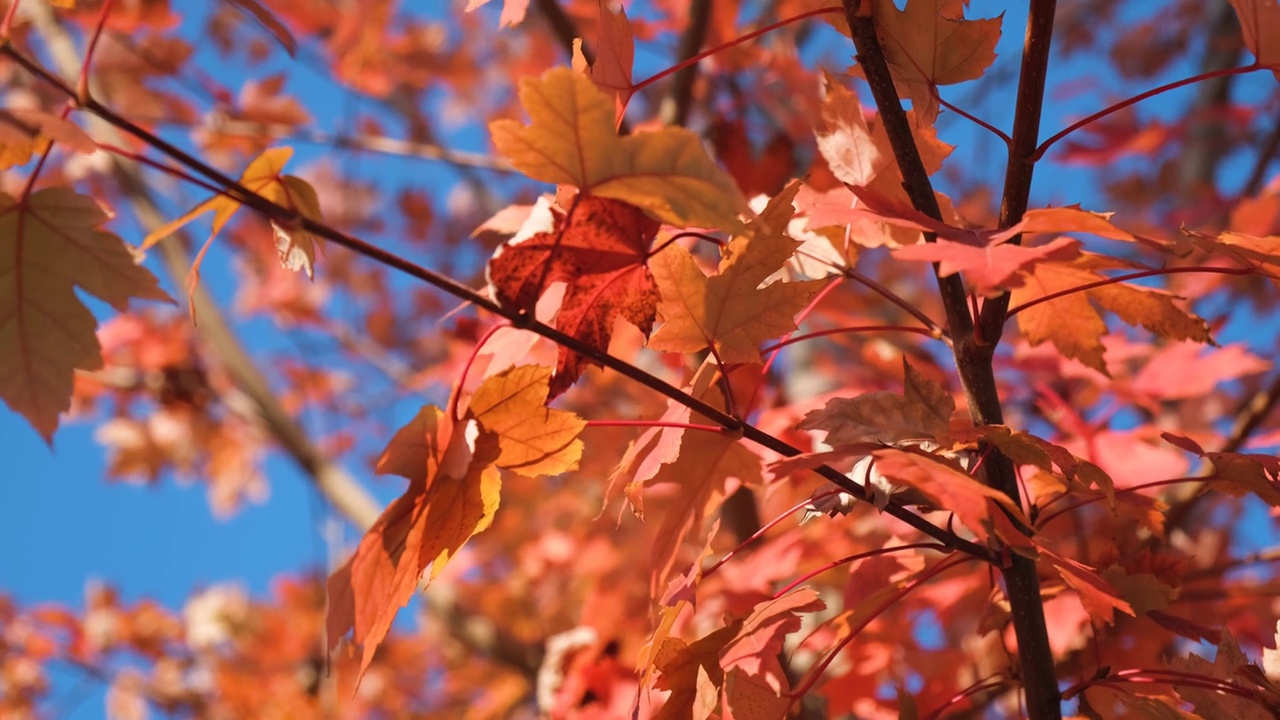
(730, 311)
(534, 439)
(571, 141)
(264, 176)
(929, 43)
(50, 244)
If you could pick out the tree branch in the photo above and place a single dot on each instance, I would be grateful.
(517, 318)
(675, 107)
(1026, 136)
(974, 355)
(563, 28)
(1207, 135)
(347, 496)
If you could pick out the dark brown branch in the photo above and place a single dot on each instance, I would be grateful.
(563, 28)
(678, 102)
(973, 354)
(517, 318)
(1259, 173)
(915, 179)
(1025, 138)
(1208, 135)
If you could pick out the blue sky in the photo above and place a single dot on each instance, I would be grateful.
(61, 523)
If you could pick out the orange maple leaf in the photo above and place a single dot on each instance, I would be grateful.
(1232, 665)
(1072, 324)
(452, 495)
(1069, 219)
(1260, 23)
(929, 43)
(698, 463)
(736, 665)
(51, 243)
(1262, 253)
(26, 132)
(572, 141)
(731, 311)
(534, 439)
(858, 151)
(691, 672)
(599, 251)
(1098, 596)
(948, 488)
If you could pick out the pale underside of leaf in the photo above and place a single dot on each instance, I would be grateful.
(49, 246)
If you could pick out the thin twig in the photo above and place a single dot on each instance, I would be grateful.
(517, 318)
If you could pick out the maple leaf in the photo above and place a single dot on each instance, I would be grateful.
(858, 152)
(1237, 474)
(1025, 448)
(730, 311)
(1260, 23)
(1098, 596)
(599, 251)
(679, 665)
(572, 141)
(1230, 664)
(758, 642)
(26, 132)
(922, 411)
(50, 244)
(683, 589)
(948, 488)
(452, 495)
(1179, 371)
(929, 43)
(844, 137)
(263, 176)
(1271, 657)
(615, 54)
(698, 463)
(534, 439)
(1144, 592)
(1063, 220)
(1072, 324)
(989, 269)
(1251, 251)
(741, 658)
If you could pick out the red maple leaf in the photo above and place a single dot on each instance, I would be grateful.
(599, 248)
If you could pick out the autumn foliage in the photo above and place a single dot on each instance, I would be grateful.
(715, 376)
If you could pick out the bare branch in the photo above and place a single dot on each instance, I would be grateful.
(974, 355)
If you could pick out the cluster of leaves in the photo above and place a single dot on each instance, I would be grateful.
(652, 368)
